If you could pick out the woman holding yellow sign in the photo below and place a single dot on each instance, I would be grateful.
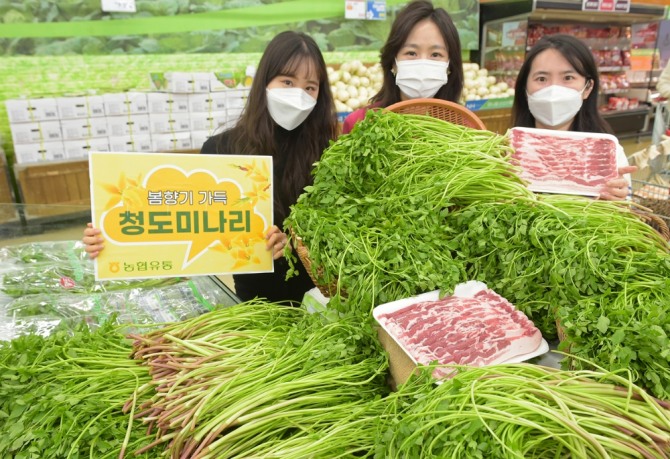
(290, 116)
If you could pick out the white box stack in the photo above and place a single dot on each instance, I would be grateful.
(166, 102)
(39, 152)
(30, 110)
(161, 123)
(83, 125)
(35, 128)
(36, 132)
(171, 141)
(236, 100)
(84, 128)
(208, 121)
(126, 143)
(80, 107)
(79, 149)
(123, 125)
(126, 103)
(184, 82)
(206, 103)
(181, 115)
(214, 112)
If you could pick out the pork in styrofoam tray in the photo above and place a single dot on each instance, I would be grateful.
(475, 326)
(564, 161)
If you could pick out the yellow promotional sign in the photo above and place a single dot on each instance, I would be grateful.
(164, 215)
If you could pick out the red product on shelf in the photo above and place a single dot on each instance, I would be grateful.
(618, 103)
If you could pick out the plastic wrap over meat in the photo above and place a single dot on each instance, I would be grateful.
(474, 326)
(563, 161)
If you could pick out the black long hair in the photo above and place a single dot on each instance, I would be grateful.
(402, 26)
(293, 152)
(588, 119)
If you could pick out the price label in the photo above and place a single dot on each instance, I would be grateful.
(118, 6)
(619, 6)
(354, 9)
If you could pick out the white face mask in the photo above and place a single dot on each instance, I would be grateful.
(420, 77)
(555, 104)
(289, 107)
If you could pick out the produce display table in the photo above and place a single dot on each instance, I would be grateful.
(47, 283)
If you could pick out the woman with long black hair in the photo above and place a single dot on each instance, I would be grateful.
(557, 88)
(289, 115)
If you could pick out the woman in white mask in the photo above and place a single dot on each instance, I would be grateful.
(421, 58)
(289, 115)
(557, 88)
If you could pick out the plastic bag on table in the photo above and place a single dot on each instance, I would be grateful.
(46, 251)
(43, 313)
(661, 122)
(37, 325)
(64, 277)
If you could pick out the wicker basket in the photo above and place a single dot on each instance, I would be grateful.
(656, 199)
(301, 249)
(656, 222)
(441, 109)
(565, 341)
(437, 108)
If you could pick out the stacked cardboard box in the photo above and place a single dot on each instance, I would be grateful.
(128, 121)
(83, 125)
(68, 128)
(170, 121)
(35, 126)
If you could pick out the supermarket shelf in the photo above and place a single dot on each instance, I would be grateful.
(614, 68)
(20, 227)
(629, 123)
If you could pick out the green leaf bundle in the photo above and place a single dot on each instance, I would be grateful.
(262, 380)
(375, 218)
(406, 204)
(63, 396)
(524, 411)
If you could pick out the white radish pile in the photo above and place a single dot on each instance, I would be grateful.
(354, 83)
(478, 84)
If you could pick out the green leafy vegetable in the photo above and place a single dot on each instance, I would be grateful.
(524, 411)
(264, 380)
(63, 396)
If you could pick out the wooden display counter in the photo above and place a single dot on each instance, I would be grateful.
(497, 120)
(53, 188)
(56, 188)
(8, 212)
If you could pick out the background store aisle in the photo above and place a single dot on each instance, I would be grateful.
(633, 144)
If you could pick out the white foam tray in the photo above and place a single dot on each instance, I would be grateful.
(465, 289)
(573, 135)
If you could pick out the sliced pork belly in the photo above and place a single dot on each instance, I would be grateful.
(483, 329)
(564, 162)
